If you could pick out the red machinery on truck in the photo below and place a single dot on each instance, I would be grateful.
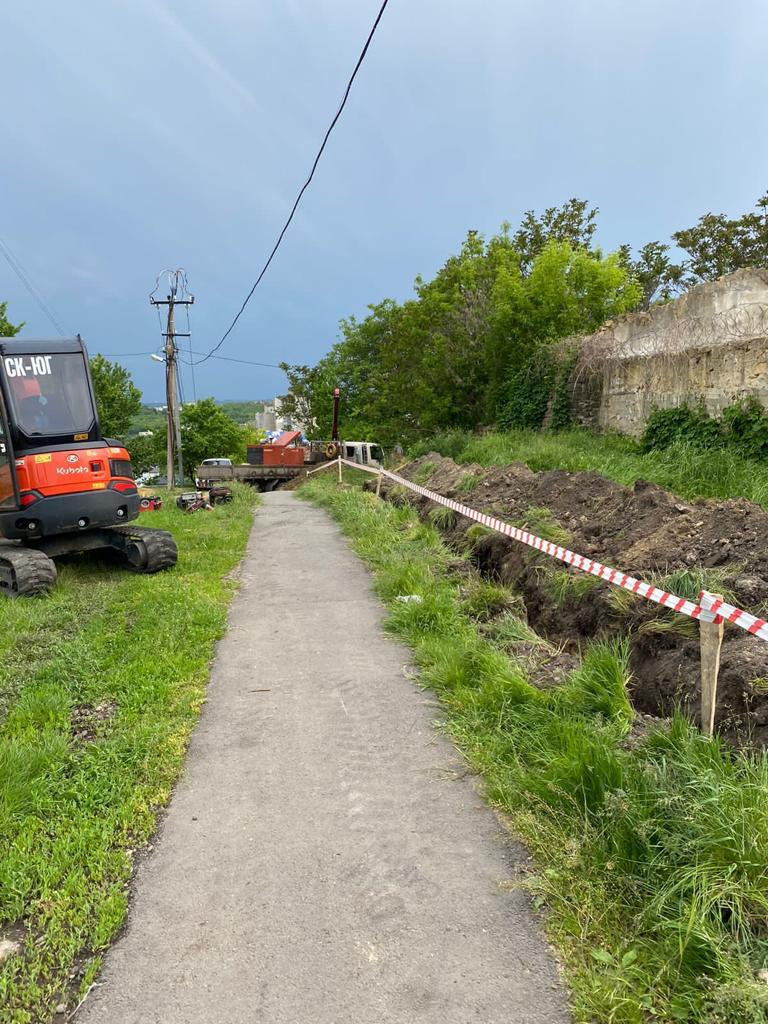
(283, 451)
(64, 488)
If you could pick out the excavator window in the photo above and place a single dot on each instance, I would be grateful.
(49, 394)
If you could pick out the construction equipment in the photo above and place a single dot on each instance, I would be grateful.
(64, 488)
(363, 452)
(288, 456)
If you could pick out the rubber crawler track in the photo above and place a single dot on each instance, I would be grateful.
(155, 549)
(25, 572)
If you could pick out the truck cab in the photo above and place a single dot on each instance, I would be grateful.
(363, 452)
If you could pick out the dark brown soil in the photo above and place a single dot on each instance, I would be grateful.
(642, 530)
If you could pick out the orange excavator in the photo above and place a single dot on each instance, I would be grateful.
(64, 488)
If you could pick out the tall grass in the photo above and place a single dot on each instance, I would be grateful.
(681, 468)
(651, 853)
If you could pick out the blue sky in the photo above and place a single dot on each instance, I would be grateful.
(145, 134)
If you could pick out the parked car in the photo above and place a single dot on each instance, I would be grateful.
(216, 462)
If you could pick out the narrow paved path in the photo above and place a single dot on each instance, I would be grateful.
(325, 858)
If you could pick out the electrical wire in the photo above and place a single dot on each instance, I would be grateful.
(304, 187)
(226, 359)
(231, 359)
(19, 271)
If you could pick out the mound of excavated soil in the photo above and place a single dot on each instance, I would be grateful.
(642, 530)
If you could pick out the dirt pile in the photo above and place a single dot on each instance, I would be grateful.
(642, 530)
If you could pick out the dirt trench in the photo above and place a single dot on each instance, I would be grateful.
(642, 530)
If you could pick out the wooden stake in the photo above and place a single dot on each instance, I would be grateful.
(378, 484)
(711, 640)
(340, 477)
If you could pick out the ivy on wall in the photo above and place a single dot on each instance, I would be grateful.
(539, 394)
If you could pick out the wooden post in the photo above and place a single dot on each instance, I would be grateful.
(378, 484)
(711, 640)
(340, 477)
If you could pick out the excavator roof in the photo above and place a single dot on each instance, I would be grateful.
(47, 346)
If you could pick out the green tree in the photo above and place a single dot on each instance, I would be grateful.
(443, 359)
(659, 278)
(207, 433)
(718, 245)
(147, 451)
(573, 222)
(118, 399)
(7, 329)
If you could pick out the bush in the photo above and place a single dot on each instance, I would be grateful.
(681, 423)
(743, 427)
(746, 425)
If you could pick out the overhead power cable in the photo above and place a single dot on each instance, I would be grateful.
(19, 271)
(226, 359)
(303, 188)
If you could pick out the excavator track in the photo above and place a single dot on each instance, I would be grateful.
(25, 572)
(145, 549)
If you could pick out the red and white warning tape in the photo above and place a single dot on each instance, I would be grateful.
(710, 608)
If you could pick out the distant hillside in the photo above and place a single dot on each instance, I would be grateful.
(149, 419)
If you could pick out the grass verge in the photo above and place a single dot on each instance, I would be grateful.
(681, 468)
(651, 850)
(100, 686)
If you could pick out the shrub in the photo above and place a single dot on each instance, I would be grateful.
(665, 427)
(746, 426)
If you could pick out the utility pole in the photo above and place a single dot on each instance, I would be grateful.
(176, 297)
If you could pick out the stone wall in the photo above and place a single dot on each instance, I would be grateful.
(710, 345)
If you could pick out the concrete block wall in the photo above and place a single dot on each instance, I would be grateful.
(711, 345)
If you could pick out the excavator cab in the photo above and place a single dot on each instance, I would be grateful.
(63, 487)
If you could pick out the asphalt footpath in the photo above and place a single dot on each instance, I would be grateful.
(326, 857)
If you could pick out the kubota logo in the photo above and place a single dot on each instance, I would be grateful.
(67, 470)
(72, 458)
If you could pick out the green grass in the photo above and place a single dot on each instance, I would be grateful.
(442, 517)
(100, 686)
(683, 469)
(651, 855)
(567, 587)
(424, 472)
(541, 522)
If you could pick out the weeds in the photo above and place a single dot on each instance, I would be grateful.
(652, 857)
(542, 523)
(567, 587)
(486, 600)
(468, 483)
(442, 517)
(511, 630)
(423, 473)
(689, 583)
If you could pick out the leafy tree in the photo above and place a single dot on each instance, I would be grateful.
(718, 245)
(573, 222)
(658, 277)
(207, 432)
(118, 399)
(147, 451)
(442, 359)
(7, 329)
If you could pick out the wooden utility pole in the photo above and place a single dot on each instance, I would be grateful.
(173, 425)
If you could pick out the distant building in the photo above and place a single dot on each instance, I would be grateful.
(273, 418)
